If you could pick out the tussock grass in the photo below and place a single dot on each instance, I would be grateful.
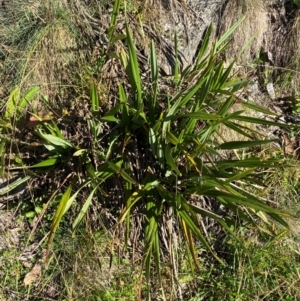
(47, 45)
(291, 55)
(248, 39)
(283, 185)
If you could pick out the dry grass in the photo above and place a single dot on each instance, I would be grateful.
(47, 64)
(251, 30)
(291, 55)
(266, 29)
(47, 46)
(89, 268)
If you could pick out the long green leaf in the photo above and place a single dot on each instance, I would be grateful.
(94, 98)
(13, 185)
(28, 96)
(250, 162)
(203, 212)
(12, 103)
(153, 142)
(225, 76)
(84, 208)
(258, 108)
(58, 215)
(176, 67)
(245, 201)
(114, 110)
(55, 140)
(204, 46)
(72, 199)
(245, 144)
(122, 95)
(125, 112)
(154, 79)
(113, 19)
(229, 32)
(171, 138)
(260, 121)
(134, 72)
(200, 98)
(237, 128)
(182, 101)
(118, 170)
(170, 160)
(215, 80)
(110, 119)
(195, 229)
(110, 147)
(240, 175)
(46, 163)
(2, 158)
(195, 115)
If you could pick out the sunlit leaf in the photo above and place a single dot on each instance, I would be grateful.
(60, 211)
(229, 32)
(84, 208)
(245, 144)
(94, 98)
(11, 186)
(118, 170)
(259, 121)
(55, 140)
(28, 96)
(195, 115)
(133, 69)
(80, 152)
(12, 103)
(46, 163)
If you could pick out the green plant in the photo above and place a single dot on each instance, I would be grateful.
(12, 272)
(260, 269)
(163, 152)
(296, 2)
(9, 127)
(153, 155)
(177, 156)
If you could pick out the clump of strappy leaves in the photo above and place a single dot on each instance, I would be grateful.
(164, 154)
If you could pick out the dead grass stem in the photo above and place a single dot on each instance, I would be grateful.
(249, 37)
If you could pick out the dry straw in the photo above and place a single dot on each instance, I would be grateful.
(249, 37)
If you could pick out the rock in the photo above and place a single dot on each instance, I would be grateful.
(262, 33)
(189, 19)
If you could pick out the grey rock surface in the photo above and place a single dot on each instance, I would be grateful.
(267, 28)
(189, 19)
